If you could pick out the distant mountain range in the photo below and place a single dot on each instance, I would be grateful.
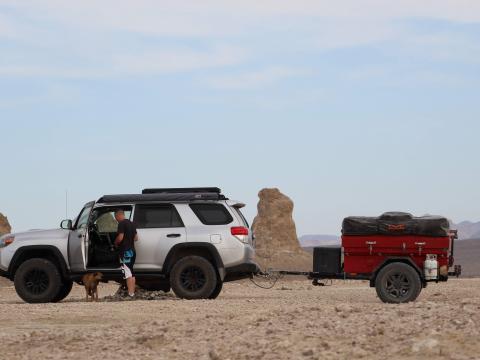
(467, 230)
(308, 241)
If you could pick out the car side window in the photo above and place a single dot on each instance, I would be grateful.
(157, 216)
(212, 214)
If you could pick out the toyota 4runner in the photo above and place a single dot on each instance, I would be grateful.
(191, 240)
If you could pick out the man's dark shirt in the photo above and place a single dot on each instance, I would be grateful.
(129, 231)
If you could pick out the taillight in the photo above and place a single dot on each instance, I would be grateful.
(241, 233)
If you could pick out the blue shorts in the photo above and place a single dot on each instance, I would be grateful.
(127, 260)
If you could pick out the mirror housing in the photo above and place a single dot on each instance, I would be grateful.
(66, 224)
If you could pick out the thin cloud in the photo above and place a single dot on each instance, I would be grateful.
(255, 79)
(119, 37)
(124, 64)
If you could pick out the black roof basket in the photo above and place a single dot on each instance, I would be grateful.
(167, 194)
(203, 190)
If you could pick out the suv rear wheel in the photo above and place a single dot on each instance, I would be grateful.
(38, 281)
(398, 283)
(193, 277)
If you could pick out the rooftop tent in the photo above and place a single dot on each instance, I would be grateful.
(396, 223)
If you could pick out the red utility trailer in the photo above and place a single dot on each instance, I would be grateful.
(397, 252)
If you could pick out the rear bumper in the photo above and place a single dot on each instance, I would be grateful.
(242, 271)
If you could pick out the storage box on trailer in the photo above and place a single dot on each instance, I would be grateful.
(327, 260)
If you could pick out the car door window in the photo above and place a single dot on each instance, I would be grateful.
(83, 218)
(157, 216)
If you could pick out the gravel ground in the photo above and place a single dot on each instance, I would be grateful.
(292, 321)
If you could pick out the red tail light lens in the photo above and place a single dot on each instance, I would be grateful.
(239, 230)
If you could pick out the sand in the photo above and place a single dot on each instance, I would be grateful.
(292, 321)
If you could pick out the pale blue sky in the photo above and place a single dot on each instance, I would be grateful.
(350, 108)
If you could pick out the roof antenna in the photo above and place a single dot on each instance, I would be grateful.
(66, 203)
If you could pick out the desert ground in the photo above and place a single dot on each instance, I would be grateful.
(294, 320)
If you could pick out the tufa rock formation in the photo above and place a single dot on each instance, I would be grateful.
(5, 227)
(276, 239)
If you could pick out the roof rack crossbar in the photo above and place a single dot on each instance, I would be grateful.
(204, 190)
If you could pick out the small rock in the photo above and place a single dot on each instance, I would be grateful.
(213, 355)
(425, 345)
(308, 352)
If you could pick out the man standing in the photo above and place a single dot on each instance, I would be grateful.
(125, 241)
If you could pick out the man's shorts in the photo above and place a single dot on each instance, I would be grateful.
(127, 260)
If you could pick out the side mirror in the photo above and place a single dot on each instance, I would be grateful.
(66, 224)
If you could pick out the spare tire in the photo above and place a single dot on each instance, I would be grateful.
(193, 277)
(38, 281)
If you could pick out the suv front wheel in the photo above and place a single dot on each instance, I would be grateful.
(38, 281)
(193, 277)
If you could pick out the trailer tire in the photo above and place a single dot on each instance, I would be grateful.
(398, 283)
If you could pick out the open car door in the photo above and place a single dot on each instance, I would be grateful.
(78, 240)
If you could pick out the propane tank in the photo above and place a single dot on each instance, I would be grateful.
(431, 267)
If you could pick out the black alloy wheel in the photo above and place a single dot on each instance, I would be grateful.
(398, 283)
(193, 277)
(36, 281)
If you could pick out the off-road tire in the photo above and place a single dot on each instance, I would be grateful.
(398, 283)
(193, 277)
(65, 290)
(217, 290)
(38, 281)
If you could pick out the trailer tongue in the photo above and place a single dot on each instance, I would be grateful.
(397, 252)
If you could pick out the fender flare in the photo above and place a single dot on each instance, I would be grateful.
(212, 250)
(14, 263)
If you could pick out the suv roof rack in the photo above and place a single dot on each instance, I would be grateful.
(181, 197)
(214, 190)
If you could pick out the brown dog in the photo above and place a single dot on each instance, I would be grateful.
(91, 284)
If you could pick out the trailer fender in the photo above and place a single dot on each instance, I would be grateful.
(389, 260)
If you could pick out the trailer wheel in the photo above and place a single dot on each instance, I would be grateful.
(398, 283)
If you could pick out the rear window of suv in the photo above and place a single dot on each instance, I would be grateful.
(212, 214)
(157, 216)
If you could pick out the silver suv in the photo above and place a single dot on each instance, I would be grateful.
(191, 240)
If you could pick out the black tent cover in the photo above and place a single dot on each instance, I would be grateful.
(396, 223)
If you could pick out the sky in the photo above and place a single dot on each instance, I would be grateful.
(348, 107)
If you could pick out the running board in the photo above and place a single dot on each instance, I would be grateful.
(116, 274)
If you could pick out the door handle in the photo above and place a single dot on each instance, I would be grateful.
(174, 235)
